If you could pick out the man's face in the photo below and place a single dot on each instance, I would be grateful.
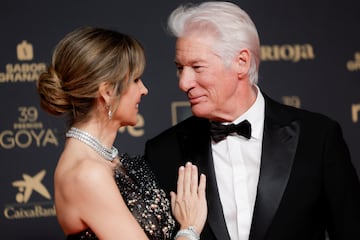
(208, 83)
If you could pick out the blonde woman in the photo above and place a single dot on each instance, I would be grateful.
(95, 80)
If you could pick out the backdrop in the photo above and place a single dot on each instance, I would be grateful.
(310, 59)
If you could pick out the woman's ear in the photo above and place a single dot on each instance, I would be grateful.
(243, 62)
(106, 92)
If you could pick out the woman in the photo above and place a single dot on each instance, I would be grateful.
(94, 80)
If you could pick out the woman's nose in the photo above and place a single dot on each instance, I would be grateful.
(144, 89)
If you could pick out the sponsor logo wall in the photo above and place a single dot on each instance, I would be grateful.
(310, 55)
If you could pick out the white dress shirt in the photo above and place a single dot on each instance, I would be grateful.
(237, 167)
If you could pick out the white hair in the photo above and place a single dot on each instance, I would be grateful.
(231, 27)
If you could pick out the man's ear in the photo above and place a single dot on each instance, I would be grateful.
(243, 62)
(106, 92)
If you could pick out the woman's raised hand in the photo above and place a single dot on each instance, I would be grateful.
(189, 204)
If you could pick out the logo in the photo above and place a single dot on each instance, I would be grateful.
(292, 53)
(30, 184)
(292, 101)
(21, 71)
(355, 110)
(24, 51)
(137, 130)
(27, 187)
(27, 131)
(354, 65)
(180, 111)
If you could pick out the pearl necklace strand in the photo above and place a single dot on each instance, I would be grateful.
(107, 153)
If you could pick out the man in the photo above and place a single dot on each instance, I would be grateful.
(287, 176)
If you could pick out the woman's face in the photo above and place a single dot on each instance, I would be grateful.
(128, 107)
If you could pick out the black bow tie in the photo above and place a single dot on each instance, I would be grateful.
(220, 131)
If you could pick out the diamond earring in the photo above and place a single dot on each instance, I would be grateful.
(109, 112)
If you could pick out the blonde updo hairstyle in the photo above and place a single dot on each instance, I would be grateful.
(82, 60)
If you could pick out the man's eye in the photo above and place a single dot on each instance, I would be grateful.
(197, 68)
(179, 68)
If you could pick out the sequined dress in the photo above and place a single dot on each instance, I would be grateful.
(146, 201)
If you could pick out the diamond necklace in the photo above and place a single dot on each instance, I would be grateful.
(107, 153)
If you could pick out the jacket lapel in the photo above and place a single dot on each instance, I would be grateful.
(279, 146)
(198, 151)
(216, 218)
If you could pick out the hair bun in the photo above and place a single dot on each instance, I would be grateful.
(53, 98)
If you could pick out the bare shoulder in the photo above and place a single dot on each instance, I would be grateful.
(82, 176)
(84, 184)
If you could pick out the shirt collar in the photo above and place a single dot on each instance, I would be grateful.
(255, 115)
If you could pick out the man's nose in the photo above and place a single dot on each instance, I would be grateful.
(186, 79)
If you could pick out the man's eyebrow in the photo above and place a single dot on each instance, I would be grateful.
(196, 61)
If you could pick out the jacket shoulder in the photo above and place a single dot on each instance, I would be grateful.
(281, 112)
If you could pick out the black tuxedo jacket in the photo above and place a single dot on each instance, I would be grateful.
(307, 182)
